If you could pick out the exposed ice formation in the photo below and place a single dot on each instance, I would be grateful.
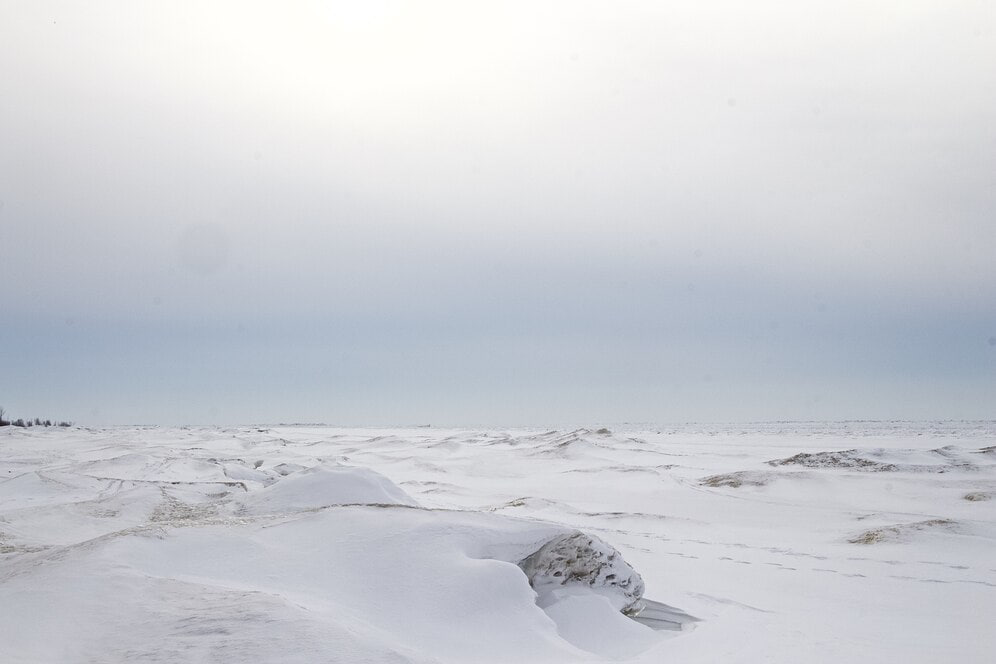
(579, 559)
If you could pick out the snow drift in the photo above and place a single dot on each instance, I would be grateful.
(322, 486)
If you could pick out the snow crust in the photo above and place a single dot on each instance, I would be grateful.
(819, 542)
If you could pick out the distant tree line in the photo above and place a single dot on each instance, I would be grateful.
(37, 422)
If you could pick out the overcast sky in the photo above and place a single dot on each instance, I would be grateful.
(504, 213)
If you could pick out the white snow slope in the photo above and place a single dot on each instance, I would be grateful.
(847, 542)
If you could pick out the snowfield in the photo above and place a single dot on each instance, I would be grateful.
(823, 542)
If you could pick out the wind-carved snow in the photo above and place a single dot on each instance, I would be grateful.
(251, 544)
(212, 562)
(576, 576)
(586, 587)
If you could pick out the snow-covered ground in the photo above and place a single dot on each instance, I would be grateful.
(834, 542)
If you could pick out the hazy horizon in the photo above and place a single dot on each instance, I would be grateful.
(498, 214)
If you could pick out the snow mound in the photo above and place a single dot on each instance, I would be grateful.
(738, 479)
(322, 486)
(902, 531)
(577, 559)
(836, 459)
(939, 460)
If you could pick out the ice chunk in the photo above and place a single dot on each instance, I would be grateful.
(584, 560)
